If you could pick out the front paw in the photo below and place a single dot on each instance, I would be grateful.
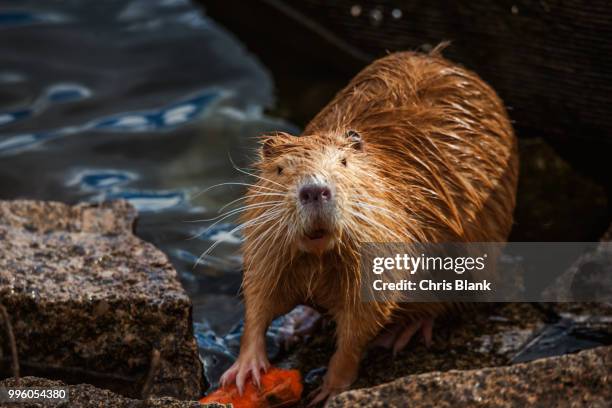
(249, 365)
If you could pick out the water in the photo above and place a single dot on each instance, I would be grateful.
(139, 100)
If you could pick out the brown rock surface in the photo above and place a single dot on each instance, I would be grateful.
(88, 396)
(89, 301)
(487, 336)
(576, 380)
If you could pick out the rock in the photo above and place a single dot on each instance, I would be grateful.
(589, 278)
(90, 302)
(552, 194)
(88, 396)
(487, 335)
(581, 379)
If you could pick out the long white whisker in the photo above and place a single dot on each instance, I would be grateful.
(262, 236)
(238, 228)
(234, 184)
(253, 174)
(251, 196)
(243, 209)
(236, 210)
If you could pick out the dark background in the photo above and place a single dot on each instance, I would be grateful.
(550, 61)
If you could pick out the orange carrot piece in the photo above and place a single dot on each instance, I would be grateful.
(279, 388)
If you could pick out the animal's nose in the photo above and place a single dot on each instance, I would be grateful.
(314, 194)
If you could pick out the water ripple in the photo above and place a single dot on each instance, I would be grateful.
(165, 118)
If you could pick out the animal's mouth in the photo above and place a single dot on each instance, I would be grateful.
(317, 241)
(317, 234)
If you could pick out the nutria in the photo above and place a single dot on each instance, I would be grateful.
(414, 149)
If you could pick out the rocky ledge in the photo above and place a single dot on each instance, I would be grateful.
(578, 380)
(87, 301)
(575, 380)
(88, 396)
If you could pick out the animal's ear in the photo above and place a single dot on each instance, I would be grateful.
(268, 147)
(271, 145)
(354, 139)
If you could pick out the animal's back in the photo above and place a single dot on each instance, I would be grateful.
(442, 139)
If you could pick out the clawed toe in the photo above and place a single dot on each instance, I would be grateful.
(398, 336)
(405, 336)
(425, 326)
(240, 372)
(318, 395)
(427, 330)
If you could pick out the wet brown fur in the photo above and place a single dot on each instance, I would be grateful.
(439, 164)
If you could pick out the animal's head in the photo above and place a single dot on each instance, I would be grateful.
(313, 192)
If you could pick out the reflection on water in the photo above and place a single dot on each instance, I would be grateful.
(166, 118)
(140, 100)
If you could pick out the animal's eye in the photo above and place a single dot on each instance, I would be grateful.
(355, 139)
(343, 161)
(279, 170)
